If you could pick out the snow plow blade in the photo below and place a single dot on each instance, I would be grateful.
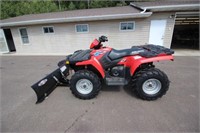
(45, 86)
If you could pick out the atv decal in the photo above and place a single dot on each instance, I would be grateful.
(99, 53)
(42, 82)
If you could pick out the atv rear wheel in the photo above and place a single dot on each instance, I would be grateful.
(151, 84)
(85, 84)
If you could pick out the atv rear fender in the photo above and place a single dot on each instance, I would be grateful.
(138, 60)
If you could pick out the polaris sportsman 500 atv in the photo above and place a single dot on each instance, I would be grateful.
(99, 64)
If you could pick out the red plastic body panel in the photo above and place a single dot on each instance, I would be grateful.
(133, 62)
(99, 53)
(95, 63)
(96, 55)
(94, 43)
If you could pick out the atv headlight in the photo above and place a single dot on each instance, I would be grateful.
(67, 62)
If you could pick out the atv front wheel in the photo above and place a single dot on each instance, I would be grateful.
(85, 84)
(151, 84)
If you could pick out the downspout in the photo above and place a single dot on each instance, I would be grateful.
(144, 10)
(140, 8)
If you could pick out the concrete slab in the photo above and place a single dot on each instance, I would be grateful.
(186, 52)
(114, 110)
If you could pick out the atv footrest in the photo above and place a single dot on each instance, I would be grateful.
(116, 81)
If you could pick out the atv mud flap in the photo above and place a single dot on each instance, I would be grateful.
(46, 85)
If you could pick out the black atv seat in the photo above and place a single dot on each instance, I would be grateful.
(80, 55)
(116, 54)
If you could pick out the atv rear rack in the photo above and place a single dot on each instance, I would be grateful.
(150, 50)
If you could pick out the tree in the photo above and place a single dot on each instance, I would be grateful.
(11, 8)
(95, 4)
(121, 3)
(71, 6)
(16, 8)
(82, 5)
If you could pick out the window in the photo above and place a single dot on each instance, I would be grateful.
(24, 35)
(82, 28)
(49, 29)
(127, 26)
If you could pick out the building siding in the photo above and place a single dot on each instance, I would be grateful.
(66, 40)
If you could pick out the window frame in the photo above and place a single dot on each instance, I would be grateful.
(127, 23)
(82, 31)
(21, 36)
(48, 29)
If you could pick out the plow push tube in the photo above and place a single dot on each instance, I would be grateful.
(45, 86)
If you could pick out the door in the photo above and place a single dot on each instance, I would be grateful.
(9, 39)
(3, 43)
(157, 32)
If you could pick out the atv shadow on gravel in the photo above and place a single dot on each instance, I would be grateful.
(110, 88)
(130, 91)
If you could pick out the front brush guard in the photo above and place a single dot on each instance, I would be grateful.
(46, 85)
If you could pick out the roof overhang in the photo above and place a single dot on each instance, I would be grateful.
(184, 7)
(187, 14)
(187, 18)
(77, 19)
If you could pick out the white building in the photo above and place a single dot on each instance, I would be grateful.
(161, 23)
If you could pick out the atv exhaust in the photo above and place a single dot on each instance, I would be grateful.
(45, 86)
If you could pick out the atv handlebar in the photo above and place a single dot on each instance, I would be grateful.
(97, 44)
(103, 39)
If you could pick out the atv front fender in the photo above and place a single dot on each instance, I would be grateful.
(95, 63)
(138, 60)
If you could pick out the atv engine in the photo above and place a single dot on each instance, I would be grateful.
(117, 71)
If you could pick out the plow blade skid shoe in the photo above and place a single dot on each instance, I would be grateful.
(46, 85)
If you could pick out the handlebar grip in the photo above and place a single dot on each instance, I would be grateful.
(103, 39)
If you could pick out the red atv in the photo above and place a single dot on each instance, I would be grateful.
(99, 64)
